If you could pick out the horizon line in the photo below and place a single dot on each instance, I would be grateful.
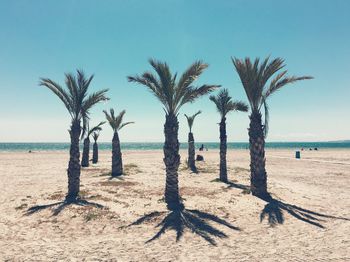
(159, 142)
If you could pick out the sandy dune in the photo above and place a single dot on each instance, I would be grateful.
(306, 221)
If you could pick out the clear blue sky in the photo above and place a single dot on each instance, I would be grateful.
(114, 39)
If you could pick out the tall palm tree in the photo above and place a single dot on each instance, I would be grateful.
(224, 105)
(116, 122)
(191, 148)
(255, 80)
(78, 103)
(173, 93)
(95, 136)
(86, 148)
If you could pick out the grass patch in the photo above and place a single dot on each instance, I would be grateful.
(91, 215)
(56, 196)
(23, 206)
(207, 170)
(83, 193)
(241, 169)
(131, 169)
(109, 173)
(100, 197)
(117, 183)
(245, 191)
(183, 168)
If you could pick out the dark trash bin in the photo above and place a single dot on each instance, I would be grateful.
(199, 158)
(297, 154)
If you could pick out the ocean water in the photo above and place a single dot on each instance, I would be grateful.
(154, 146)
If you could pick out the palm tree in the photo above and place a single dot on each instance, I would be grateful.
(78, 103)
(254, 77)
(95, 136)
(116, 124)
(224, 105)
(191, 148)
(86, 148)
(173, 93)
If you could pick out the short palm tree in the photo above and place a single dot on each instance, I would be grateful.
(116, 122)
(255, 80)
(173, 93)
(78, 103)
(95, 136)
(86, 147)
(191, 148)
(224, 105)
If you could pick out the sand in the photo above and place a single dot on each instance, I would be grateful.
(308, 221)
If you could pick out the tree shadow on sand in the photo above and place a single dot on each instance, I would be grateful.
(59, 206)
(238, 186)
(274, 210)
(179, 220)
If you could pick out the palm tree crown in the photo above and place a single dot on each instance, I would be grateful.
(171, 92)
(255, 80)
(116, 122)
(95, 130)
(95, 135)
(75, 97)
(224, 103)
(190, 119)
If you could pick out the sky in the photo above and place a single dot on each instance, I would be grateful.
(114, 39)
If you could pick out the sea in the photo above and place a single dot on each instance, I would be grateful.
(158, 146)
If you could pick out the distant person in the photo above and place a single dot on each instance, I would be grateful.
(201, 148)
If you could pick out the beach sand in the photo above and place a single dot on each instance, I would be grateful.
(307, 219)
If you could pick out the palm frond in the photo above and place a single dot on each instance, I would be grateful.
(170, 93)
(255, 77)
(190, 119)
(96, 128)
(225, 104)
(280, 81)
(95, 135)
(59, 91)
(150, 81)
(75, 96)
(267, 118)
(165, 78)
(93, 99)
(237, 106)
(192, 93)
(125, 124)
(188, 77)
(116, 122)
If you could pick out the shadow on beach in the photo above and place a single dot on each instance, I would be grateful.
(274, 210)
(59, 206)
(196, 221)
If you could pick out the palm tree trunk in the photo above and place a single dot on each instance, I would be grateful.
(117, 164)
(191, 153)
(86, 152)
(172, 162)
(223, 150)
(258, 176)
(74, 163)
(95, 153)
